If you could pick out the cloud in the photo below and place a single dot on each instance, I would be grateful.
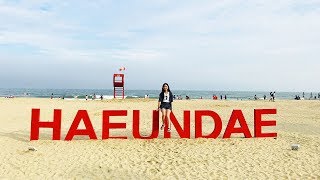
(228, 40)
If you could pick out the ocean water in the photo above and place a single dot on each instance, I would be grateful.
(108, 93)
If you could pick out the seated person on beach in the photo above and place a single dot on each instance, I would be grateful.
(165, 104)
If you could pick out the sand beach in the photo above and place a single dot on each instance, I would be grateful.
(298, 122)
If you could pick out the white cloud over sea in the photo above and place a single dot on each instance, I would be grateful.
(204, 45)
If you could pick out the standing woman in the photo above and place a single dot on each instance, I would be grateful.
(165, 104)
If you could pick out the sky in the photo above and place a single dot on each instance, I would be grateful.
(193, 45)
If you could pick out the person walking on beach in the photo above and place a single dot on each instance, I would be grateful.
(270, 96)
(225, 97)
(165, 104)
(264, 97)
(273, 96)
(86, 97)
(101, 97)
(51, 95)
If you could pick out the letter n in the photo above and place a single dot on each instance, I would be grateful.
(183, 133)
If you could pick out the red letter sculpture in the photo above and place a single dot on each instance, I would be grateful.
(237, 115)
(136, 125)
(258, 123)
(198, 125)
(106, 125)
(36, 124)
(88, 131)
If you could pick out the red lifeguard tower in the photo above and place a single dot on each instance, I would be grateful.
(118, 86)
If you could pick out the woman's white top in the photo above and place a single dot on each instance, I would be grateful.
(166, 97)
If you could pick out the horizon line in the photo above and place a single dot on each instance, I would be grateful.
(160, 90)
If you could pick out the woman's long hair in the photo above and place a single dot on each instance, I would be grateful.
(164, 85)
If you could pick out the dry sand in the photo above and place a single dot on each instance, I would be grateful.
(235, 158)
